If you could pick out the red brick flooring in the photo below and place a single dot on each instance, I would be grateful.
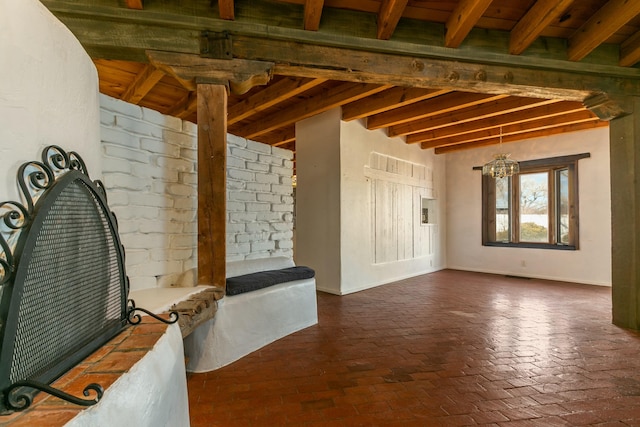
(449, 348)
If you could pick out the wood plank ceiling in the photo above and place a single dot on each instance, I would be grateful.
(443, 119)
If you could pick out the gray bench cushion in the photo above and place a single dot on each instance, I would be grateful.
(262, 279)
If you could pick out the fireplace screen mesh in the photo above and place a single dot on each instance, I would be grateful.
(73, 284)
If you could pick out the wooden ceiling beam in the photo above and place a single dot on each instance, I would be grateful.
(312, 14)
(389, 16)
(462, 20)
(335, 97)
(280, 137)
(533, 23)
(272, 95)
(523, 116)
(134, 4)
(602, 25)
(143, 83)
(512, 129)
(226, 9)
(630, 51)
(538, 133)
(475, 112)
(186, 106)
(439, 105)
(384, 101)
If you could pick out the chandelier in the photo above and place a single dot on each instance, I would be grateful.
(501, 166)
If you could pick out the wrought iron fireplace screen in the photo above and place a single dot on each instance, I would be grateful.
(63, 283)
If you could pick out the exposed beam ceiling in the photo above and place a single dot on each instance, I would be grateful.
(446, 75)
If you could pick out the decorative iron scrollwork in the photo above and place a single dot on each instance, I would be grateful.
(17, 399)
(33, 179)
(135, 318)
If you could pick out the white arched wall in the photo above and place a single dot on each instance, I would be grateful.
(48, 92)
(591, 264)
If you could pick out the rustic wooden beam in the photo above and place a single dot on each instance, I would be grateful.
(212, 170)
(312, 14)
(186, 106)
(134, 4)
(335, 97)
(280, 137)
(523, 116)
(630, 51)
(145, 81)
(242, 74)
(522, 136)
(541, 14)
(389, 16)
(226, 9)
(272, 95)
(602, 25)
(442, 104)
(389, 99)
(513, 129)
(474, 112)
(462, 20)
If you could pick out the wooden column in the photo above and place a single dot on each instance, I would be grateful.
(625, 216)
(212, 169)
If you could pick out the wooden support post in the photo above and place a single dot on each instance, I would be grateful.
(625, 217)
(212, 169)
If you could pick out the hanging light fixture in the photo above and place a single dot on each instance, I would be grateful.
(501, 166)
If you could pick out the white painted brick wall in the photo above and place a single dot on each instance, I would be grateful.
(149, 170)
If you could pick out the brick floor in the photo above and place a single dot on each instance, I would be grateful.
(450, 348)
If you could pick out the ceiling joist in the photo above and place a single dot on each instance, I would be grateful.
(389, 16)
(529, 28)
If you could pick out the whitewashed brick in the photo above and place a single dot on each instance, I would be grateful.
(272, 160)
(258, 146)
(235, 185)
(288, 164)
(284, 244)
(236, 162)
(241, 175)
(179, 215)
(107, 118)
(286, 180)
(152, 200)
(282, 226)
(160, 227)
(125, 153)
(236, 141)
(137, 127)
(282, 189)
(157, 146)
(146, 171)
(189, 153)
(230, 238)
(186, 203)
(268, 216)
(236, 227)
(254, 227)
(125, 227)
(119, 137)
(139, 283)
(258, 187)
(167, 281)
(117, 198)
(156, 268)
(119, 180)
(118, 106)
(287, 253)
(287, 200)
(236, 256)
(282, 152)
(179, 138)
(161, 120)
(263, 246)
(184, 241)
(260, 167)
(144, 241)
(268, 197)
(181, 165)
(252, 238)
(281, 236)
(288, 217)
(236, 207)
(244, 154)
(282, 208)
(189, 128)
(266, 178)
(137, 256)
(112, 164)
(190, 228)
(281, 170)
(258, 207)
(181, 190)
(188, 178)
(170, 255)
(242, 216)
(246, 196)
(238, 248)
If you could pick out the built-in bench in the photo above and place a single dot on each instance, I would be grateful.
(247, 321)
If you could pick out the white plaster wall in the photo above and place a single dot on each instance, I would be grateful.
(318, 225)
(333, 221)
(152, 393)
(48, 92)
(150, 173)
(358, 270)
(591, 264)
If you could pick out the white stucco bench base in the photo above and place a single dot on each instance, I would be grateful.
(246, 322)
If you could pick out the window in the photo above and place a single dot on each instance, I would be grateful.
(537, 208)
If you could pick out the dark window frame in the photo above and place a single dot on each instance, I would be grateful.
(551, 166)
